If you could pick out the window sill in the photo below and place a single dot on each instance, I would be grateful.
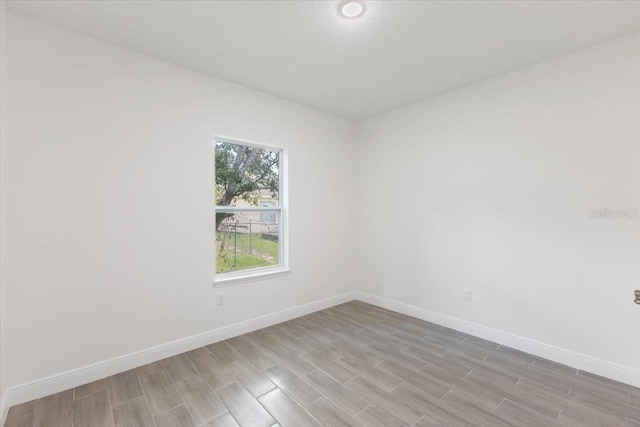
(230, 279)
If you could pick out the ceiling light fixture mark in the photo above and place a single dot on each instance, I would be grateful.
(352, 8)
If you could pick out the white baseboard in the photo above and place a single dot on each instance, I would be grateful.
(556, 354)
(76, 377)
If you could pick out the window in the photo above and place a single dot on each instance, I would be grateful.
(249, 210)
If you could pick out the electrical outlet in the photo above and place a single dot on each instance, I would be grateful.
(468, 295)
(220, 298)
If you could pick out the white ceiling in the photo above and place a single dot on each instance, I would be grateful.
(397, 53)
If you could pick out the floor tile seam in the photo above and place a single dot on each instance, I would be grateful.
(343, 385)
(223, 404)
(150, 373)
(193, 364)
(418, 420)
(314, 400)
(113, 419)
(351, 380)
(153, 419)
(501, 402)
(531, 409)
(603, 398)
(559, 413)
(269, 391)
(633, 420)
(172, 383)
(146, 399)
(307, 382)
(573, 402)
(361, 411)
(295, 401)
(186, 406)
(401, 383)
(184, 379)
(209, 420)
(23, 415)
(89, 395)
(73, 408)
(128, 401)
(594, 407)
(171, 409)
(451, 390)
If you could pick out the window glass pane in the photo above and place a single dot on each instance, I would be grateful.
(267, 216)
(245, 240)
(246, 176)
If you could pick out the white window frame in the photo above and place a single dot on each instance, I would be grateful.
(261, 273)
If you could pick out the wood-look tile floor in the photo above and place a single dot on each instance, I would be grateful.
(351, 365)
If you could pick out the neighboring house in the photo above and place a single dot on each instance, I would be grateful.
(254, 222)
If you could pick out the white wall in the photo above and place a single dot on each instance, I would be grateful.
(489, 188)
(107, 222)
(107, 191)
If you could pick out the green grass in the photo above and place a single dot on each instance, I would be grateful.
(251, 251)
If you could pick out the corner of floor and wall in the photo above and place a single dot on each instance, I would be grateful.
(504, 209)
